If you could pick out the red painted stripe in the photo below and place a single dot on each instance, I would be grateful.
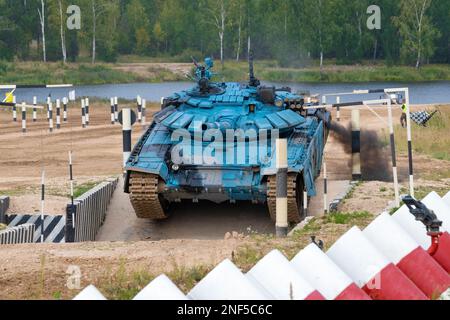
(442, 256)
(425, 272)
(392, 284)
(353, 292)
(316, 295)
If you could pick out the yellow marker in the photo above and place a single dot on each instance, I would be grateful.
(9, 97)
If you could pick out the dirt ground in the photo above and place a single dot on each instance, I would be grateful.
(149, 70)
(39, 271)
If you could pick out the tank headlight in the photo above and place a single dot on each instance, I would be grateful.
(175, 167)
(279, 103)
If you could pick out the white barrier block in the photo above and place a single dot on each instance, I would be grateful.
(275, 274)
(316, 267)
(447, 198)
(389, 237)
(162, 288)
(226, 282)
(414, 228)
(91, 293)
(434, 202)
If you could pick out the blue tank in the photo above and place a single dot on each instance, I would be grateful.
(216, 142)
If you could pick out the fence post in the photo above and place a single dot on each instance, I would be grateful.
(14, 109)
(325, 187)
(24, 118)
(34, 109)
(50, 116)
(126, 128)
(83, 114)
(356, 145)
(49, 100)
(338, 109)
(113, 118)
(282, 224)
(65, 109)
(58, 114)
(116, 109)
(87, 111)
(139, 107)
(144, 112)
(393, 155)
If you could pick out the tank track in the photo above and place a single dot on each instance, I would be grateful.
(295, 214)
(145, 198)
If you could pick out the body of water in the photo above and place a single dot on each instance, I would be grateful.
(420, 93)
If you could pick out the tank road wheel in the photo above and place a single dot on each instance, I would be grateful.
(296, 213)
(146, 201)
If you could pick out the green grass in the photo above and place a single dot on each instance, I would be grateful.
(433, 140)
(79, 190)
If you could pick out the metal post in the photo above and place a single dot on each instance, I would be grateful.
(126, 128)
(50, 117)
(65, 109)
(113, 118)
(24, 118)
(34, 109)
(87, 111)
(282, 224)
(116, 109)
(325, 187)
(58, 114)
(393, 154)
(144, 112)
(83, 114)
(139, 107)
(410, 150)
(356, 145)
(14, 109)
(42, 207)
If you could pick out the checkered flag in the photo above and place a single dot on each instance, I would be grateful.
(422, 117)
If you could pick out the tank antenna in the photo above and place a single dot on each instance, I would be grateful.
(254, 82)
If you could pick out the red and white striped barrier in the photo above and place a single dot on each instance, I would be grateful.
(419, 233)
(91, 293)
(226, 282)
(319, 270)
(277, 277)
(389, 237)
(160, 289)
(371, 270)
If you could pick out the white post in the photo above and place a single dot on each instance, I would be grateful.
(338, 109)
(410, 150)
(86, 107)
(42, 206)
(116, 109)
(139, 107)
(83, 114)
(24, 118)
(325, 187)
(50, 117)
(14, 109)
(356, 145)
(113, 118)
(144, 112)
(58, 114)
(393, 154)
(282, 223)
(34, 109)
(126, 128)
(65, 109)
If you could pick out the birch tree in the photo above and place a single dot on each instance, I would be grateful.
(416, 29)
(218, 12)
(41, 13)
(63, 35)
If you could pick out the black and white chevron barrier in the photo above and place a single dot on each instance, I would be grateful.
(17, 235)
(54, 226)
(87, 214)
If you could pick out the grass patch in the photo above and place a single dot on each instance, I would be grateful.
(79, 190)
(433, 140)
(3, 226)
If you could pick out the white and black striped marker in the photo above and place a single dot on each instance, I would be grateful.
(113, 117)
(83, 114)
(144, 112)
(127, 118)
(65, 109)
(116, 109)
(282, 224)
(49, 101)
(87, 111)
(305, 202)
(50, 117)
(139, 107)
(393, 154)
(58, 114)
(34, 109)
(14, 109)
(71, 187)
(42, 207)
(356, 145)
(24, 118)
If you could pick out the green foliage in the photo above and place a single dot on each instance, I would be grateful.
(294, 32)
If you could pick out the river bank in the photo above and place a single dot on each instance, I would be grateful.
(155, 71)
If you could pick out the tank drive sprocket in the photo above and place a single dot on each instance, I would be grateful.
(295, 198)
(145, 198)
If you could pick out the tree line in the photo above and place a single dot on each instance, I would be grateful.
(293, 32)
